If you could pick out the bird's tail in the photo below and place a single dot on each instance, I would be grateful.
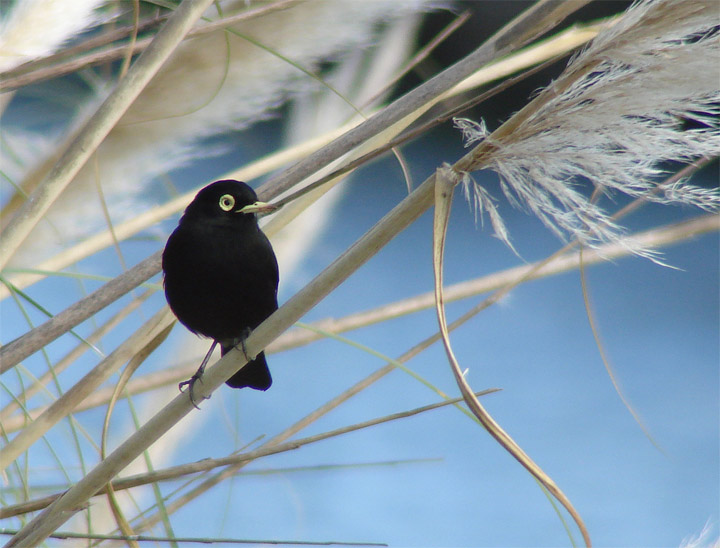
(255, 374)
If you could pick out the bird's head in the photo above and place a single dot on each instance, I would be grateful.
(228, 199)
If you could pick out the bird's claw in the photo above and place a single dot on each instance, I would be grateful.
(190, 383)
(240, 342)
(197, 376)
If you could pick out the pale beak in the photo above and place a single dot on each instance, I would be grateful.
(257, 207)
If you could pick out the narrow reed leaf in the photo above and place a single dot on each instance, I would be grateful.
(49, 314)
(445, 181)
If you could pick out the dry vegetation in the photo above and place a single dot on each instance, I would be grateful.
(559, 135)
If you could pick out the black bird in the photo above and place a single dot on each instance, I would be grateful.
(221, 275)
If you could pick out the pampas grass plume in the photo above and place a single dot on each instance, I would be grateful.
(36, 28)
(614, 117)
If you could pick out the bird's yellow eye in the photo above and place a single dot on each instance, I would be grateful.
(227, 202)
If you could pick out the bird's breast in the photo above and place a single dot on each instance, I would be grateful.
(220, 282)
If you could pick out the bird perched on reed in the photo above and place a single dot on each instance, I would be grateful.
(221, 274)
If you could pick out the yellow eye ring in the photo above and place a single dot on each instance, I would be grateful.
(227, 202)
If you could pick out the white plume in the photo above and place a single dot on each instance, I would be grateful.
(36, 28)
(613, 117)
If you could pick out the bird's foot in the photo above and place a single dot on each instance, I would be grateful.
(190, 383)
(240, 341)
(197, 376)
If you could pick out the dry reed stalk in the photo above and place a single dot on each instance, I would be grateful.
(205, 465)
